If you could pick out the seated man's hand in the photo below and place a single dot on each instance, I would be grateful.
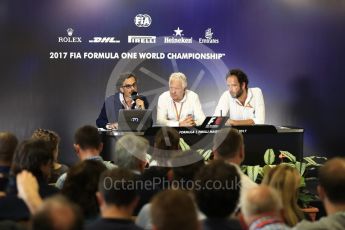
(230, 122)
(112, 126)
(187, 122)
(140, 103)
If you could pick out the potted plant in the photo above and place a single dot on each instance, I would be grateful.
(306, 169)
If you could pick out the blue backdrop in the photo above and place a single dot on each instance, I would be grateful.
(292, 49)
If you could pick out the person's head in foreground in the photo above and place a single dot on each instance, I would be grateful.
(35, 156)
(219, 191)
(57, 213)
(331, 191)
(117, 193)
(81, 186)
(174, 209)
(130, 153)
(228, 146)
(262, 206)
(286, 180)
(8, 144)
(51, 137)
(166, 143)
(87, 142)
(331, 187)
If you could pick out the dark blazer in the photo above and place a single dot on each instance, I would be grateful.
(110, 110)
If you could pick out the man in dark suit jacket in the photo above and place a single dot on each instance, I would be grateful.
(126, 86)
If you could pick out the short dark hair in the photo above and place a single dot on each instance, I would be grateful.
(222, 200)
(174, 209)
(8, 144)
(31, 155)
(84, 175)
(227, 142)
(87, 137)
(166, 142)
(185, 171)
(114, 186)
(44, 218)
(167, 138)
(332, 179)
(241, 76)
(122, 78)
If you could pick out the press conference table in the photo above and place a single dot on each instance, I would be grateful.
(257, 139)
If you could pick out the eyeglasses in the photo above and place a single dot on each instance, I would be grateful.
(134, 85)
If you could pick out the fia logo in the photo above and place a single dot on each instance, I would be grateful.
(142, 20)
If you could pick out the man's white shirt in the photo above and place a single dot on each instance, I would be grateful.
(168, 110)
(253, 108)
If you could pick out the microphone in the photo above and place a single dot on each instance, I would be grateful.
(135, 96)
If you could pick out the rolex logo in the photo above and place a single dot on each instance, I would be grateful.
(70, 37)
(70, 31)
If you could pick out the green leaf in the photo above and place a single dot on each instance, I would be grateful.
(306, 198)
(206, 154)
(266, 169)
(288, 155)
(253, 172)
(184, 146)
(302, 184)
(310, 161)
(200, 151)
(300, 167)
(289, 164)
(269, 157)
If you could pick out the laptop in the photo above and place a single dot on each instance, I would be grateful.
(135, 120)
(214, 122)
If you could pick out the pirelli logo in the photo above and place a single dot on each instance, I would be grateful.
(141, 39)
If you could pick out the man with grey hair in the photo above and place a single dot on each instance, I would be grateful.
(179, 106)
(261, 208)
(130, 153)
(125, 98)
